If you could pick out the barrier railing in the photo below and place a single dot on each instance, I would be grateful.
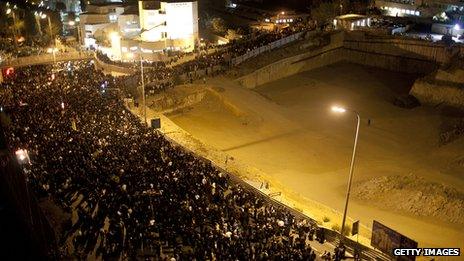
(46, 58)
(331, 236)
(266, 48)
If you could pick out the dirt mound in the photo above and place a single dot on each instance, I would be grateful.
(413, 195)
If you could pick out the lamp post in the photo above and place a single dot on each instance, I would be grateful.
(50, 28)
(11, 11)
(143, 89)
(131, 55)
(43, 16)
(141, 74)
(338, 109)
(77, 28)
(37, 21)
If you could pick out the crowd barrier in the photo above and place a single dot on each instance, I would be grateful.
(117, 68)
(266, 48)
(331, 236)
(46, 58)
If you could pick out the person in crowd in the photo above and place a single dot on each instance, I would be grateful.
(134, 192)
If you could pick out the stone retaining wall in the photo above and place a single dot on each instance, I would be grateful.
(403, 55)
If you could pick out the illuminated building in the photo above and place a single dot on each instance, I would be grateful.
(152, 28)
(98, 20)
(169, 24)
(415, 8)
(351, 21)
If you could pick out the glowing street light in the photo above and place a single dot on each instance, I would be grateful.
(10, 11)
(338, 109)
(43, 16)
(22, 156)
(130, 55)
(53, 51)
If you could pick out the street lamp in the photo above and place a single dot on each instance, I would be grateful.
(53, 52)
(141, 74)
(338, 109)
(74, 23)
(10, 11)
(143, 88)
(43, 16)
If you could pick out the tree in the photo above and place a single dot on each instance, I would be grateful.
(231, 34)
(31, 29)
(325, 12)
(218, 25)
(60, 6)
(57, 25)
(83, 5)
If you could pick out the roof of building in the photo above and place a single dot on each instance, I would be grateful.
(170, 1)
(131, 10)
(107, 4)
(350, 17)
(93, 13)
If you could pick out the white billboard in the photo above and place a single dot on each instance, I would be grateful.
(181, 20)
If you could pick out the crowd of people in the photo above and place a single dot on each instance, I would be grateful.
(135, 193)
(161, 74)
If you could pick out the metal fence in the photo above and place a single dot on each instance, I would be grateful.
(46, 58)
(331, 236)
(276, 44)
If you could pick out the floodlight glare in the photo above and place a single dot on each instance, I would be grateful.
(338, 109)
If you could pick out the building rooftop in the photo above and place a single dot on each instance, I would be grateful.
(350, 17)
(131, 10)
(107, 4)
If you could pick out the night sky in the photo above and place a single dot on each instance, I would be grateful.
(294, 4)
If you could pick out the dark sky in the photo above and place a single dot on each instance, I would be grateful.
(292, 4)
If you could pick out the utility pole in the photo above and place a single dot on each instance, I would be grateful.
(52, 38)
(37, 21)
(50, 29)
(143, 90)
(8, 11)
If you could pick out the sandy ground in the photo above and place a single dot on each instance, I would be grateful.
(286, 130)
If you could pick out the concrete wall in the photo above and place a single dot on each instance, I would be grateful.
(392, 62)
(177, 98)
(403, 55)
(45, 58)
(411, 48)
(111, 68)
(284, 68)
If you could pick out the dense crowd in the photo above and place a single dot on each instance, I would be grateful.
(134, 192)
(162, 74)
